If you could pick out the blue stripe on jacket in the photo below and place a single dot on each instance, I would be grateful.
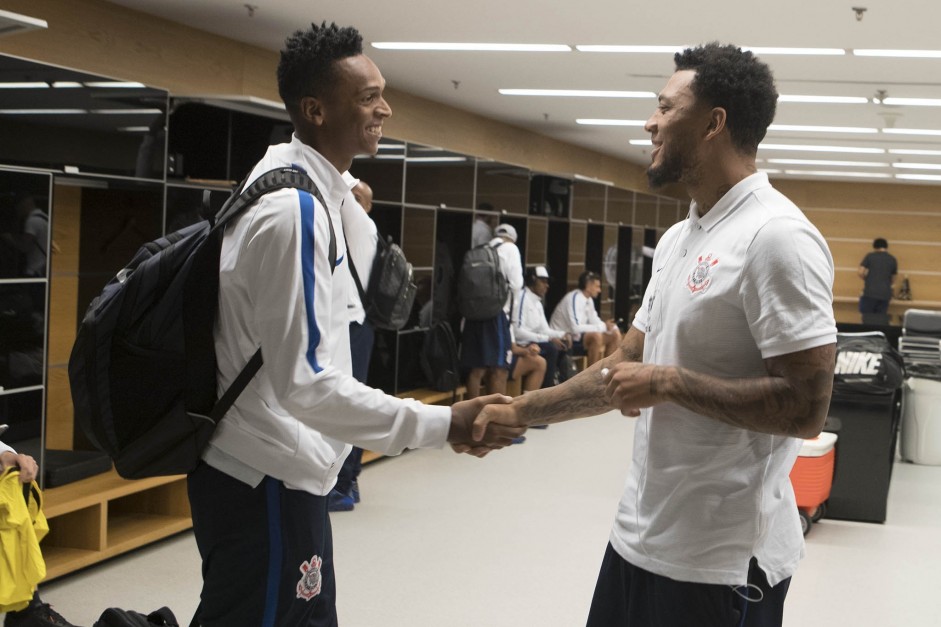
(307, 266)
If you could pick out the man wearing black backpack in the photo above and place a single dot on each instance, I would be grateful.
(259, 499)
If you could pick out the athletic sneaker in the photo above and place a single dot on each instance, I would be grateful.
(339, 502)
(38, 615)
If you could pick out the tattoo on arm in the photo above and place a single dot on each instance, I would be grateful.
(792, 400)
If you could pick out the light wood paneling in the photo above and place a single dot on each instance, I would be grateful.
(866, 225)
(60, 414)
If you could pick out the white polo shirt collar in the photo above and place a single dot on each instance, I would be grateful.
(728, 203)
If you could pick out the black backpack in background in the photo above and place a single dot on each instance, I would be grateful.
(439, 360)
(389, 297)
(143, 367)
(482, 288)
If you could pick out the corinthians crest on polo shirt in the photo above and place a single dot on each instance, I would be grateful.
(700, 278)
(309, 585)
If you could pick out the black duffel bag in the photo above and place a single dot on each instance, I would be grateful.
(866, 364)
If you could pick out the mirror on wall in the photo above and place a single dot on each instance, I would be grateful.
(60, 119)
(438, 178)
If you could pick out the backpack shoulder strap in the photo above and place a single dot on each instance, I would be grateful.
(278, 178)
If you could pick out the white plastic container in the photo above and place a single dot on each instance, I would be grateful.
(921, 421)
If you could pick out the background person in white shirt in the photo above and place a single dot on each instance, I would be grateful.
(530, 326)
(575, 314)
(729, 362)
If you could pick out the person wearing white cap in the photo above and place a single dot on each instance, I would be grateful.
(531, 327)
(486, 345)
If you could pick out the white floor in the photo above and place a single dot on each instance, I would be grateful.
(516, 539)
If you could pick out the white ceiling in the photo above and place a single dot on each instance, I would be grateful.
(895, 24)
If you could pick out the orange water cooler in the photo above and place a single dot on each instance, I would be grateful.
(812, 477)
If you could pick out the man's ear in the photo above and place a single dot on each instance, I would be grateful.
(311, 110)
(717, 117)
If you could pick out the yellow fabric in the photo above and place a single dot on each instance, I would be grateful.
(22, 526)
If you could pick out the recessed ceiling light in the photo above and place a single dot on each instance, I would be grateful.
(868, 175)
(830, 52)
(578, 93)
(24, 85)
(913, 102)
(821, 129)
(825, 162)
(480, 47)
(818, 148)
(115, 84)
(919, 177)
(922, 54)
(914, 151)
(918, 166)
(636, 49)
(912, 131)
(609, 122)
(823, 99)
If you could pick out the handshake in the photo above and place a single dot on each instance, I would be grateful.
(483, 424)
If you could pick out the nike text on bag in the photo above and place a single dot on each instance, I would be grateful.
(482, 288)
(143, 367)
(391, 292)
(867, 364)
(439, 360)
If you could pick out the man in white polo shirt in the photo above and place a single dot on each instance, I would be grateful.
(727, 364)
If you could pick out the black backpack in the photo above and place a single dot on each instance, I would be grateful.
(116, 617)
(482, 287)
(439, 359)
(143, 367)
(390, 294)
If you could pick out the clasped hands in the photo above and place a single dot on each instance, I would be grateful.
(627, 386)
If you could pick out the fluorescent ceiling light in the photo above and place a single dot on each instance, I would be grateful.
(921, 54)
(918, 166)
(919, 177)
(115, 84)
(824, 99)
(848, 164)
(769, 171)
(24, 85)
(67, 84)
(418, 45)
(609, 122)
(830, 52)
(578, 93)
(134, 129)
(42, 111)
(821, 129)
(640, 142)
(638, 49)
(422, 159)
(817, 148)
(391, 146)
(913, 102)
(868, 175)
(912, 131)
(912, 151)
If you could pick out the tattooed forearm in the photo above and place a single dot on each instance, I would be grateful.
(792, 400)
(579, 397)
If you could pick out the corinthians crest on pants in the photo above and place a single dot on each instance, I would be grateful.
(699, 279)
(309, 585)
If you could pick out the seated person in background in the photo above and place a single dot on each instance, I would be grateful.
(527, 366)
(37, 613)
(531, 328)
(576, 314)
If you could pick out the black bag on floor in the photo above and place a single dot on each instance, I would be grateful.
(115, 617)
(439, 359)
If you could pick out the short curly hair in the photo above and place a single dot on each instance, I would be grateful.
(738, 82)
(306, 66)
